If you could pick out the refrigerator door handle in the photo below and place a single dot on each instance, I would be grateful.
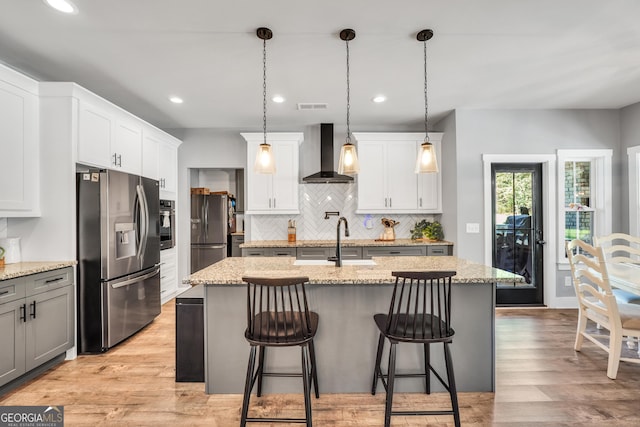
(144, 220)
(206, 219)
(136, 279)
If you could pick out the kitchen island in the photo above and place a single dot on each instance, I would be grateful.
(346, 298)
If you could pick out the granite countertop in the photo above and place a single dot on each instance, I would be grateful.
(229, 271)
(19, 269)
(343, 243)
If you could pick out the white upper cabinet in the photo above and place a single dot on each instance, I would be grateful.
(95, 132)
(387, 182)
(277, 193)
(168, 166)
(160, 160)
(108, 137)
(19, 145)
(150, 155)
(127, 145)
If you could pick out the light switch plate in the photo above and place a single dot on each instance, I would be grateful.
(473, 227)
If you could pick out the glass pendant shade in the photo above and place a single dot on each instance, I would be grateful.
(427, 160)
(348, 164)
(264, 160)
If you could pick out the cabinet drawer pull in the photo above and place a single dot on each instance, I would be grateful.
(57, 279)
(282, 254)
(394, 252)
(33, 310)
(23, 312)
(4, 292)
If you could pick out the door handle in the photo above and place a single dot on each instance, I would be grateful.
(33, 310)
(23, 312)
(541, 242)
(136, 279)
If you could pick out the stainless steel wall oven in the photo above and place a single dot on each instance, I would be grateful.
(167, 224)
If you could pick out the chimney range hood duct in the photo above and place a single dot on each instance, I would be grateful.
(327, 175)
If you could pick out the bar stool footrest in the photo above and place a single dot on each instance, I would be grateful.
(277, 420)
(450, 412)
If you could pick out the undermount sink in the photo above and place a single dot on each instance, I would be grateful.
(345, 262)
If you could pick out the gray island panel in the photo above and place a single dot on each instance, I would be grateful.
(346, 299)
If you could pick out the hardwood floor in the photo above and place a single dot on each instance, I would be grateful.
(540, 381)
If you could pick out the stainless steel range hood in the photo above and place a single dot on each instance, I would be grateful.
(327, 175)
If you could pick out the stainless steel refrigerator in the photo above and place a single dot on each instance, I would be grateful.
(118, 218)
(210, 223)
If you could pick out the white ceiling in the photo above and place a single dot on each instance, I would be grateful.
(485, 54)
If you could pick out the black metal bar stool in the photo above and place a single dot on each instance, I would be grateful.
(419, 313)
(278, 316)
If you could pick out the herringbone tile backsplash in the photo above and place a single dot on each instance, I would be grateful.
(315, 200)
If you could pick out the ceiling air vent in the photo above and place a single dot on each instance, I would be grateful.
(312, 106)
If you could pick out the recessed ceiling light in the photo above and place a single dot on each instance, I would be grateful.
(176, 99)
(278, 98)
(64, 6)
(379, 98)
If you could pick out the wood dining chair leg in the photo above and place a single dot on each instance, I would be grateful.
(306, 385)
(261, 355)
(391, 374)
(248, 385)
(582, 326)
(376, 368)
(314, 370)
(615, 349)
(452, 385)
(427, 370)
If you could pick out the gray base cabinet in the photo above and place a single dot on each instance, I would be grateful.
(351, 252)
(348, 252)
(36, 320)
(269, 252)
(369, 252)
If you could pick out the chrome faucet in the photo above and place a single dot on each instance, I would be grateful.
(338, 258)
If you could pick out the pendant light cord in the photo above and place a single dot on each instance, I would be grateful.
(426, 102)
(264, 89)
(348, 97)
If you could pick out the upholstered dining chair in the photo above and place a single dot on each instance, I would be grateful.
(597, 303)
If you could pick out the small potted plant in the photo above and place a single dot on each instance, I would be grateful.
(426, 230)
(434, 231)
(1, 257)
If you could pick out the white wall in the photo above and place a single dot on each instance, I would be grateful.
(52, 237)
(629, 137)
(524, 132)
(202, 149)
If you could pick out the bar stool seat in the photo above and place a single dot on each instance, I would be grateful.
(419, 313)
(278, 315)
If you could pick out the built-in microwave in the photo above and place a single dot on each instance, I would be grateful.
(167, 224)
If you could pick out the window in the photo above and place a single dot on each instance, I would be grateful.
(584, 177)
(634, 190)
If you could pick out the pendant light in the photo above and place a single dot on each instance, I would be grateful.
(265, 163)
(427, 161)
(348, 163)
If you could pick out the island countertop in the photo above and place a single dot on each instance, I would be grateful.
(229, 271)
(344, 243)
(19, 269)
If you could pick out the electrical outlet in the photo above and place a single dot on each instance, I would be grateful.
(567, 281)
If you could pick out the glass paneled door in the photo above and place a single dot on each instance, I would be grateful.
(517, 231)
